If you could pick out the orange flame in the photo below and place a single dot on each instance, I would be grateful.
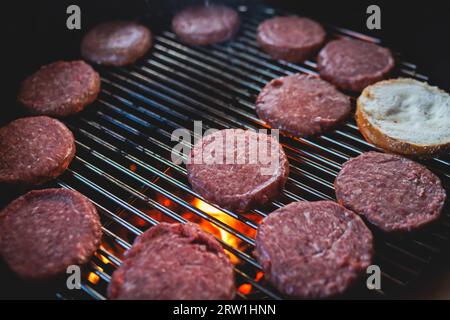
(222, 234)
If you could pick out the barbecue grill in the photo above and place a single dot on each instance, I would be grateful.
(123, 161)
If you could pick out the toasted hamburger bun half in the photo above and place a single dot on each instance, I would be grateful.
(405, 116)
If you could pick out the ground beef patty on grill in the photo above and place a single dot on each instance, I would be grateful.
(290, 38)
(45, 231)
(302, 105)
(391, 192)
(174, 262)
(60, 89)
(34, 150)
(116, 43)
(238, 169)
(353, 64)
(201, 25)
(313, 249)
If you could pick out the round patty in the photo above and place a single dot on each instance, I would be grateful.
(302, 105)
(238, 169)
(34, 150)
(45, 231)
(353, 64)
(290, 38)
(174, 262)
(391, 192)
(201, 25)
(60, 89)
(116, 43)
(313, 249)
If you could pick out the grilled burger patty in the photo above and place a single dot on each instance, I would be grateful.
(302, 105)
(313, 249)
(393, 193)
(201, 25)
(45, 231)
(60, 89)
(34, 150)
(174, 262)
(256, 174)
(354, 64)
(290, 38)
(116, 43)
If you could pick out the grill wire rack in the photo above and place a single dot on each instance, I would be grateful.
(124, 145)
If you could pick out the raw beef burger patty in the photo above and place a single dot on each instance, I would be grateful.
(45, 231)
(290, 38)
(302, 105)
(206, 25)
(116, 43)
(391, 192)
(174, 262)
(34, 150)
(60, 89)
(313, 249)
(353, 64)
(238, 169)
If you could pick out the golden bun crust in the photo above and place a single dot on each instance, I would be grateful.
(376, 136)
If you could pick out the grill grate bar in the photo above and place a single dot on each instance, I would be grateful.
(94, 294)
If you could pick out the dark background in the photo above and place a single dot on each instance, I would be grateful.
(36, 31)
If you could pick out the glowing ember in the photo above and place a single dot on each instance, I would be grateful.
(93, 278)
(246, 288)
(102, 257)
(259, 275)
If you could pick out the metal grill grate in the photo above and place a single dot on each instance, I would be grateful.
(123, 159)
